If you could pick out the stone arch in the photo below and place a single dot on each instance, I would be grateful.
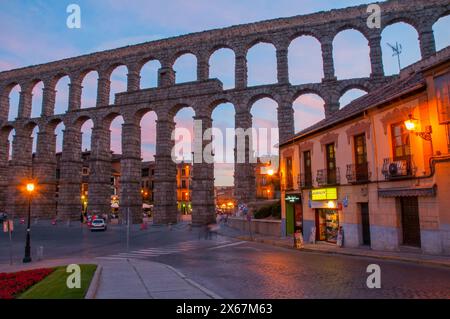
(117, 83)
(89, 76)
(7, 112)
(37, 98)
(390, 20)
(440, 27)
(300, 59)
(410, 41)
(309, 108)
(145, 78)
(262, 95)
(61, 97)
(351, 93)
(262, 67)
(225, 71)
(351, 35)
(185, 65)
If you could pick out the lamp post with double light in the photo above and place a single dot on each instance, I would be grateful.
(30, 190)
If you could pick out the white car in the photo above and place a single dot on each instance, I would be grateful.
(98, 224)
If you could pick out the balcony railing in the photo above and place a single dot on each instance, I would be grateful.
(305, 180)
(399, 168)
(328, 177)
(358, 173)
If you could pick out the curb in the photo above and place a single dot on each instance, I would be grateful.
(95, 283)
(392, 258)
(193, 283)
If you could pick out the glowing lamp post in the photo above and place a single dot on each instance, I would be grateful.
(30, 190)
(411, 125)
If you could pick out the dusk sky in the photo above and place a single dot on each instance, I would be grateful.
(35, 32)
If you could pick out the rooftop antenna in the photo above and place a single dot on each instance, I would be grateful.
(396, 51)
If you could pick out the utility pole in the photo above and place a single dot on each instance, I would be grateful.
(396, 51)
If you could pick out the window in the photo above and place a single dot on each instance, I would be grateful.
(183, 184)
(359, 172)
(145, 172)
(289, 179)
(400, 142)
(183, 172)
(85, 171)
(442, 86)
(307, 169)
(331, 163)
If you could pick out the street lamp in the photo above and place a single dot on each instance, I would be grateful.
(30, 189)
(411, 125)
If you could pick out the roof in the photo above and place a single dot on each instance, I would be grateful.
(410, 80)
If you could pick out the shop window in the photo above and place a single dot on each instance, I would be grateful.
(442, 87)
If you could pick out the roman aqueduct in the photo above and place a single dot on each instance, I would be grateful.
(202, 95)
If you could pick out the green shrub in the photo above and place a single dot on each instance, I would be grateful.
(273, 210)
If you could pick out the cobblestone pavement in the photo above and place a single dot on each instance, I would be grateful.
(239, 269)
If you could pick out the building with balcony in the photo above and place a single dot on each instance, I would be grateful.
(379, 167)
(267, 181)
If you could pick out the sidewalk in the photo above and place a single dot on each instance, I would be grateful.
(288, 242)
(130, 279)
(138, 279)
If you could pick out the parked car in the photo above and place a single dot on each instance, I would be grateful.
(3, 217)
(98, 224)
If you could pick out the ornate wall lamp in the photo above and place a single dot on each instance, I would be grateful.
(412, 124)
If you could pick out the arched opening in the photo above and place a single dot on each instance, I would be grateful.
(10, 143)
(350, 95)
(36, 100)
(184, 133)
(148, 151)
(148, 136)
(118, 82)
(14, 98)
(62, 95)
(59, 132)
(405, 35)
(34, 136)
(265, 140)
(441, 34)
(305, 61)
(89, 90)
(222, 67)
(223, 124)
(149, 74)
(116, 135)
(185, 68)
(86, 130)
(351, 55)
(308, 110)
(262, 64)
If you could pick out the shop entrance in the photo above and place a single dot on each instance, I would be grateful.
(410, 221)
(294, 214)
(365, 223)
(327, 225)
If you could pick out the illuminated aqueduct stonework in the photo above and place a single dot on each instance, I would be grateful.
(202, 95)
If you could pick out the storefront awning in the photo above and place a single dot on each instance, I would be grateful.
(405, 192)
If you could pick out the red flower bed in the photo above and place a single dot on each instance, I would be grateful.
(12, 284)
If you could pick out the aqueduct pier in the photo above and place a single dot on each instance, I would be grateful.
(202, 95)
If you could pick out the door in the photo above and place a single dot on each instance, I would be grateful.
(289, 218)
(365, 222)
(321, 225)
(410, 221)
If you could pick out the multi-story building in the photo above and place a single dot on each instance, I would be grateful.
(184, 189)
(224, 198)
(147, 181)
(379, 167)
(267, 181)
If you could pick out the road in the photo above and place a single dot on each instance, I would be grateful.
(237, 269)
